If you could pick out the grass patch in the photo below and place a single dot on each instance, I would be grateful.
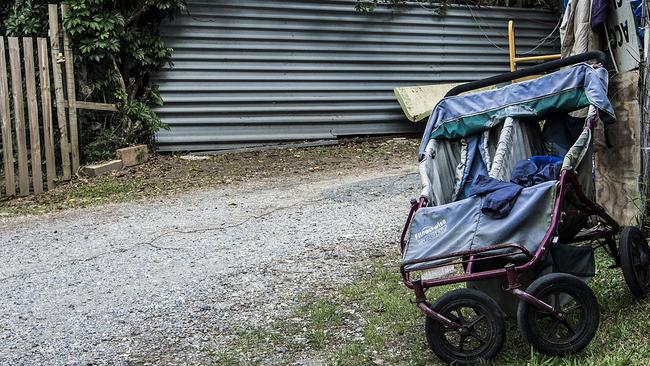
(307, 329)
(372, 322)
(78, 194)
(322, 316)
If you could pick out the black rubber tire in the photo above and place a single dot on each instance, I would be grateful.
(487, 327)
(635, 260)
(531, 320)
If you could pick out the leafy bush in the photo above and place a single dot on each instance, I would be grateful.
(24, 17)
(117, 47)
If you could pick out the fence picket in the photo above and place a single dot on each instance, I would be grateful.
(19, 114)
(46, 106)
(7, 140)
(32, 112)
(72, 95)
(22, 116)
(58, 90)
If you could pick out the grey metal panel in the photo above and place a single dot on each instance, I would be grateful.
(256, 71)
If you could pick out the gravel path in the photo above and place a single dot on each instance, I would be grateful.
(151, 282)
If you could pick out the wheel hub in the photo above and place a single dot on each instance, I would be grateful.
(464, 331)
(643, 258)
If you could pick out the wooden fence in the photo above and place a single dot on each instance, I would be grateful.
(44, 151)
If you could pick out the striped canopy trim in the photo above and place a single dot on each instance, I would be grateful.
(562, 91)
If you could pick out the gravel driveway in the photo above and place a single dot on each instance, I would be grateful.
(152, 282)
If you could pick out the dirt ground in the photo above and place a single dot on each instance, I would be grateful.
(166, 175)
(201, 250)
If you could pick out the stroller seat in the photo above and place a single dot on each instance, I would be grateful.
(461, 226)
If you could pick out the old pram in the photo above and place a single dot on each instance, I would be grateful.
(517, 263)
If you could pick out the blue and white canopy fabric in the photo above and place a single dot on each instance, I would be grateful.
(562, 91)
(486, 133)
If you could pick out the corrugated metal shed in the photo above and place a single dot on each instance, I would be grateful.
(258, 71)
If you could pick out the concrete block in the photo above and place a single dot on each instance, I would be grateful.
(96, 170)
(133, 155)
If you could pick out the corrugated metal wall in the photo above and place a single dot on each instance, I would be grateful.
(258, 71)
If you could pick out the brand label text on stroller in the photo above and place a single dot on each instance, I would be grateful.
(432, 231)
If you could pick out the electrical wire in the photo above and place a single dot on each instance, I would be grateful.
(557, 26)
(539, 43)
(187, 10)
(481, 28)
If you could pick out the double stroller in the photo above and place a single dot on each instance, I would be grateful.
(508, 208)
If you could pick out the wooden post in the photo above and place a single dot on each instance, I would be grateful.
(46, 106)
(72, 94)
(511, 45)
(19, 114)
(7, 141)
(97, 106)
(58, 90)
(32, 111)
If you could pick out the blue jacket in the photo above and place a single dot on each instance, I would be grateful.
(501, 196)
(536, 170)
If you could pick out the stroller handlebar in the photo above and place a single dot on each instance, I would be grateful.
(533, 70)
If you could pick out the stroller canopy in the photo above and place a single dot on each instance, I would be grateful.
(562, 91)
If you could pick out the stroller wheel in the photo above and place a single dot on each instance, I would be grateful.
(578, 321)
(481, 335)
(635, 260)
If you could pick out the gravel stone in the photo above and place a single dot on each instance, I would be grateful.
(152, 282)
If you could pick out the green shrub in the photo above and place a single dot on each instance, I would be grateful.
(117, 47)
